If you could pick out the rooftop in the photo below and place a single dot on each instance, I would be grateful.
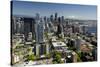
(59, 44)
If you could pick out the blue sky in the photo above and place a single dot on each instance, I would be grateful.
(46, 9)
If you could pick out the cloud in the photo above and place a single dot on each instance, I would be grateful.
(75, 17)
(72, 17)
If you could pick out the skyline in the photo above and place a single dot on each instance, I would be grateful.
(47, 9)
(42, 33)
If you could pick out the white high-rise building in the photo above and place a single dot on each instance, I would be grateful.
(41, 47)
(39, 32)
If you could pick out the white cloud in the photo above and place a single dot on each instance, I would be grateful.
(72, 17)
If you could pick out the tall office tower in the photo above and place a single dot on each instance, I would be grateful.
(62, 18)
(37, 18)
(45, 19)
(13, 25)
(59, 30)
(39, 34)
(28, 27)
(45, 47)
(20, 25)
(49, 24)
(48, 20)
(62, 22)
(56, 16)
(45, 23)
(60, 26)
(51, 18)
(78, 43)
(59, 20)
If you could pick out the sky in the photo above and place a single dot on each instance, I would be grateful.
(47, 9)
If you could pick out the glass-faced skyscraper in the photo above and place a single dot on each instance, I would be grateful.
(39, 34)
(39, 29)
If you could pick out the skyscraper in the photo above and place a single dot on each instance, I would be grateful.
(62, 18)
(39, 34)
(37, 16)
(13, 25)
(45, 19)
(28, 27)
(51, 18)
(40, 47)
(59, 30)
(56, 16)
(19, 25)
(39, 31)
(62, 22)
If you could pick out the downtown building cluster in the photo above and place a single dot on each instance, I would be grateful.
(41, 36)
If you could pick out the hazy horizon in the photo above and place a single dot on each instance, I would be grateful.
(46, 9)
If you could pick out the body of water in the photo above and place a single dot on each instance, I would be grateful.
(92, 29)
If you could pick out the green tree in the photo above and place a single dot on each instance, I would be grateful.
(31, 57)
(57, 57)
(79, 56)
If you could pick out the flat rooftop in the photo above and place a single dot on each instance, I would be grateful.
(58, 44)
